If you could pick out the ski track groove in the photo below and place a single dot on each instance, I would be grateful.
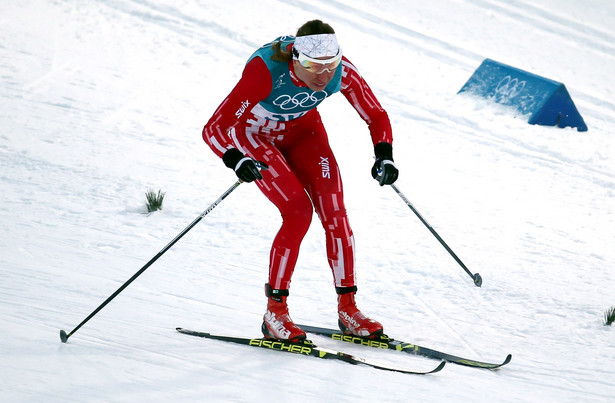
(445, 325)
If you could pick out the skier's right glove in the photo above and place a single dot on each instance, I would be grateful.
(246, 168)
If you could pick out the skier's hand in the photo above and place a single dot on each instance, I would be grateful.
(247, 169)
(384, 169)
(385, 172)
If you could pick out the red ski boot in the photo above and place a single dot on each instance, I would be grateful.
(352, 321)
(277, 323)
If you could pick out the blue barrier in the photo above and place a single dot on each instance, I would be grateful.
(547, 101)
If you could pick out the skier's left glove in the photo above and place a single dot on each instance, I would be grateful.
(384, 169)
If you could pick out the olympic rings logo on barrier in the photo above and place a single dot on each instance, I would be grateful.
(509, 87)
(301, 100)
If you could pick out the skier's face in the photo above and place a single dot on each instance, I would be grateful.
(314, 81)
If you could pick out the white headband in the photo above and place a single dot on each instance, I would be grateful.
(319, 45)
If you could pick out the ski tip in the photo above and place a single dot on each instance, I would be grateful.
(506, 361)
(438, 368)
(63, 336)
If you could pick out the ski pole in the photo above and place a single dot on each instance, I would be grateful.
(64, 336)
(478, 281)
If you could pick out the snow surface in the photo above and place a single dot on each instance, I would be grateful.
(103, 100)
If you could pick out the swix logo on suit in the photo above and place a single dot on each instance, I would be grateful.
(242, 108)
(326, 170)
(287, 101)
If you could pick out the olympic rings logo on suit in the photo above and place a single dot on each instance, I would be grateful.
(300, 100)
(509, 87)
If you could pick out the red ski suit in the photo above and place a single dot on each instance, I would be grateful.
(303, 174)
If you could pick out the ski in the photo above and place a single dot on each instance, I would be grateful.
(387, 343)
(306, 349)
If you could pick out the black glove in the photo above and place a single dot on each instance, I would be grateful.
(246, 168)
(384, 169)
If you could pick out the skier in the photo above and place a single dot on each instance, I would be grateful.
(270, 118)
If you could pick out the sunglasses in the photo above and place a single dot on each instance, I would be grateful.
(319, 66)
